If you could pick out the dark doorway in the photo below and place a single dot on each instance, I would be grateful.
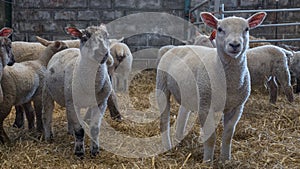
(5, 13)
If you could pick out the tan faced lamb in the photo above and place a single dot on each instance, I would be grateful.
(25, 51)
(22, 83)
(73, 77)
(193, 75)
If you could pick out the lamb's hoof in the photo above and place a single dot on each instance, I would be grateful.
(79, 153)
(117, 118)
(18, 125)
(49, 139)
(79, 150)
(94, 152)
(4, 139)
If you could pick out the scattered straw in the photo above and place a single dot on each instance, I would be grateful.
(266, 136)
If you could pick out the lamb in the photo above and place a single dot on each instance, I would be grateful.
(22, 83)
(201, 40)
(26, 51)
(268, 64)
(121, 67)
(78, 79)
(295, 69)
(194, 76)
(7, 58)
(33, 49)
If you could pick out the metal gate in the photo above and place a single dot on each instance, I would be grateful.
(219, 11)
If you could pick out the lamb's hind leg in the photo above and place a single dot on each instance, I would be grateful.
(47, 113)
(183, 116)
(3, 114)
(113, 106)
(230, 120)
(273, 89)
(19, 119)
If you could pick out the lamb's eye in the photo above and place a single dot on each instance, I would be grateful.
(220, 29)
(247, 29)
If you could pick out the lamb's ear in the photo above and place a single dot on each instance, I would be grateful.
(43, 41)
(256, 19)
(209, 19)
(213, 35)
(74, 32)
(6, 32)
(57, 44)
(121, 39)
(1, 94)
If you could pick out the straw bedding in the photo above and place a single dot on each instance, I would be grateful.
(267, 136)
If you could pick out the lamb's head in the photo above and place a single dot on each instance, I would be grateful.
(232, 37)
(203, 40)
(54, 46)
(94, 42)
(6, 55)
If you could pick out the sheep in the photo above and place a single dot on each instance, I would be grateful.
(269, 64)
(25, 51)
(22, 83)
(294, 68)
(7, 58)
(33, 49)
(73, 76)
(121, 67)
(193, 69)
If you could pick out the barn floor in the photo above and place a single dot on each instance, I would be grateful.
(267, 136)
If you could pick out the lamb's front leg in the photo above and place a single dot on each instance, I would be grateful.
(231, 118)
(95, 123)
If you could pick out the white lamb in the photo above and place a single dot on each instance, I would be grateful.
(74, 76)
(121, 68)
(193, 74)
(22, 83)
(269, 64)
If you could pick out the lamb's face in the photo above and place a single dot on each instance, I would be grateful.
(233, 39)
(6, 55)
(97, 43)
(232, 36)
(94, 42)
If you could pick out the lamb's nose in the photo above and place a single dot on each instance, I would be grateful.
(234, 45)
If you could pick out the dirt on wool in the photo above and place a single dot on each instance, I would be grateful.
(267, 136)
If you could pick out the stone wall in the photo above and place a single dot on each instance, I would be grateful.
(48, 18)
